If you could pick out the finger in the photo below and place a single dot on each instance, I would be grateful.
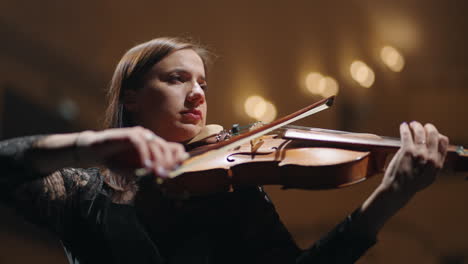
(178, 152)
(143, 151)
(405, 134)
(158, 159)
(156, 146)
(148, 137)
(419, 138)
(432, 135)
(419, 134)
(168, 160)
(443, 147)
(403, 158)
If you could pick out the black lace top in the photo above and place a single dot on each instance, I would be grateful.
(232, 227)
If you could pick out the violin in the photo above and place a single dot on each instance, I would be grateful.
(290, 156)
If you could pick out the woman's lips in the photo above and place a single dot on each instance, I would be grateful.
(192, 115)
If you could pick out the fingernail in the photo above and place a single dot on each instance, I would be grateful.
(161, 172)
(148, 163)
(185, 156)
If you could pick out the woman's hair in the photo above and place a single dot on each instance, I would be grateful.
(133, 66)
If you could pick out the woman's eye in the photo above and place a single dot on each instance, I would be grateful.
(175, 79)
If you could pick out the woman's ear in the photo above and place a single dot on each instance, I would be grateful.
(130, 100)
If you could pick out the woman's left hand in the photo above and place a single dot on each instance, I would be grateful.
(417, 163)
(414, 167)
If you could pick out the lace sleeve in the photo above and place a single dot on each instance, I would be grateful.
(46, 200)
(53, 200)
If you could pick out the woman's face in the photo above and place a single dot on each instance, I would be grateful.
(172, 101)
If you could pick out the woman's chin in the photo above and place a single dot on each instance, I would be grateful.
(187, 132)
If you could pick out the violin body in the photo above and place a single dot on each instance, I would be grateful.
(274, 160)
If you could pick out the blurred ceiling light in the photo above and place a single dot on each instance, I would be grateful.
(392, 58)
(258, 108)
(270, 113)
(362, 74)
(318, 84)
(313, 82)
(251, 103)
(328, 87)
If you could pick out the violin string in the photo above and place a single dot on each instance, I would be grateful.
(348, 139)
(334, 131)
(382, 140)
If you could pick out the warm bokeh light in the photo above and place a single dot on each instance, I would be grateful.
(270, 113)
(318, 84)
(392, 58)
(328, 86)
(251, 104)
(313, 82)
(362, 74)
(258, 108)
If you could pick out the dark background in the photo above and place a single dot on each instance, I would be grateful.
(57, 58)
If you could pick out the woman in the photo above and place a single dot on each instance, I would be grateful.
(157, 104)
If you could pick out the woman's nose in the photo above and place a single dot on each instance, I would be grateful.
(196, 95)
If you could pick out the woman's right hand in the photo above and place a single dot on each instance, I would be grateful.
(124, 150)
